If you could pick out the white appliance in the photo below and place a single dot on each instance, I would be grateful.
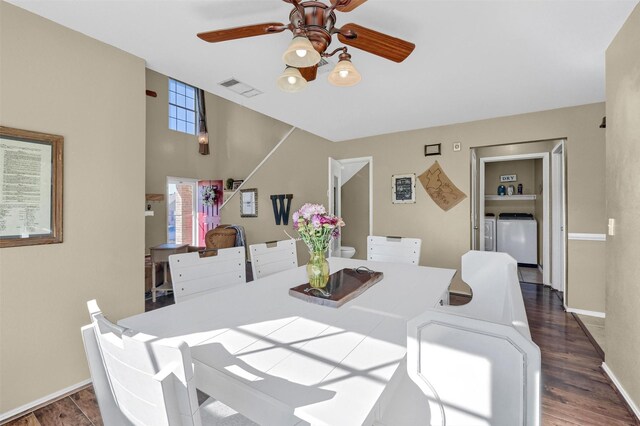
(347, 252)
(489, 224)
(517, 235)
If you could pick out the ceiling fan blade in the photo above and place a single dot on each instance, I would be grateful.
(309, 73)
(242, 32)
(371, 41)
(350, 5)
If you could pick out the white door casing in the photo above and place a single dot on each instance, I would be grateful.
(558, 230)
(335, 197)
(476, 222)
(334, 194)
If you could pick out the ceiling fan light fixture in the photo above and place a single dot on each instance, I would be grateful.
(291, 80)
(344, 74)
(301, 53)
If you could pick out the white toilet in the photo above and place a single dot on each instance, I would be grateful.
(347, 252)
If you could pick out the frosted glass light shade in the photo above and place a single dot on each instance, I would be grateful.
(291, 80)
(344, 74)
(300, 53)
(203, 137)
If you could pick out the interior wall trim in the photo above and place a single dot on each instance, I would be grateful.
(586, 237)
(585, 312)
(623, 392)
(45, 400)
(264, 160)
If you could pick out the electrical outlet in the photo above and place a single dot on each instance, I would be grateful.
(612, 227)
(456, 146)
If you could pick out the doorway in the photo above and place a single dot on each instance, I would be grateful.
(550, 194)
(350, 196)
(520, 197)
(182, 210)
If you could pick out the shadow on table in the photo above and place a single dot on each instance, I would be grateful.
(263, 398)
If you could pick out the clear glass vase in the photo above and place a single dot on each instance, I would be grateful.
(318, 270)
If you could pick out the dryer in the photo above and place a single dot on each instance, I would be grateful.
(518, 236)
(489, 224)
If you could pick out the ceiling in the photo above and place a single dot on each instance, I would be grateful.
(473, 60)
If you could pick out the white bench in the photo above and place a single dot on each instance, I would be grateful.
(476, 364)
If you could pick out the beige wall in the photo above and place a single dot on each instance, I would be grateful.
(623, 204)
(58, 81)
(446, 235)
(239, 139)
(290, 170)
(523, 169)
(355, 212)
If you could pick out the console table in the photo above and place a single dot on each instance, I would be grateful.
(160, 254)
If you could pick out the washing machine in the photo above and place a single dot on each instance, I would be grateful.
(517, 235)
(489, 224)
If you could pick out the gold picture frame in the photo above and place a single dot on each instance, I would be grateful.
(30, 188)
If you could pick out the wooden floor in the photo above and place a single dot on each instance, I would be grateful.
(576, 392)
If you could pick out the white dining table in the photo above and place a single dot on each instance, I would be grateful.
(280, 360)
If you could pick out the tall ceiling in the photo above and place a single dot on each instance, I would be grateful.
(473, 59)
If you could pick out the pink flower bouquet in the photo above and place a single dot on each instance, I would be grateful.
(316, 227)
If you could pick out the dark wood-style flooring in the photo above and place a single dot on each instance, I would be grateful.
(575, 390)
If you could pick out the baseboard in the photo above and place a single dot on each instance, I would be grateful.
(593, 341)
(41, 402)
(585, 312)
(623, 392)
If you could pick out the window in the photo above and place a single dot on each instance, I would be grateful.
(182, 107)
(181, 211)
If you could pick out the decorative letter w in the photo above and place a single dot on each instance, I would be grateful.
(280, 212)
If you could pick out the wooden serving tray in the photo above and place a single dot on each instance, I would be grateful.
(343, 286)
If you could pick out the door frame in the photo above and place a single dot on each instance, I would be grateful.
(194, 182)
(475, 219)
(546, 252)
(335, 171)
(559, 235)
(368, 160)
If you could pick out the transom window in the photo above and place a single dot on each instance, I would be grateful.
(182, 107)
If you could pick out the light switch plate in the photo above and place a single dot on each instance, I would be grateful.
(612, 227)
(456, 146)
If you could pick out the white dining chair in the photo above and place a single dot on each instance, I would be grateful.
(193, 275)
(145, 380)
(267, 259)
(394, 249)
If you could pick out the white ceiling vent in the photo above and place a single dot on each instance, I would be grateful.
(240, 88)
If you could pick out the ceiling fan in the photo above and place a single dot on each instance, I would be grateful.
(313, 24)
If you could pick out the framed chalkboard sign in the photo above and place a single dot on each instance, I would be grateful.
(403, 189)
